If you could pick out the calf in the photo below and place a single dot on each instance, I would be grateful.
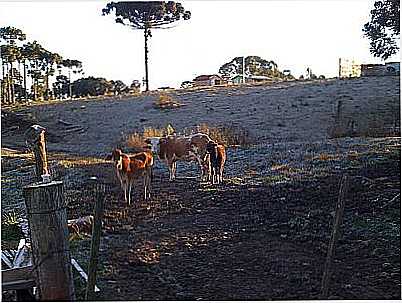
(131, 167)
(184, 148)
(217, 157)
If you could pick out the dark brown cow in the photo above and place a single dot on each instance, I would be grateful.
(217, 158)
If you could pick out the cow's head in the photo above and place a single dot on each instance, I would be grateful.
(117, 158)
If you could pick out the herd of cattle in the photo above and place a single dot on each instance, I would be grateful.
(199, 147)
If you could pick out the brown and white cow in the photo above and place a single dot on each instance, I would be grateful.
(131, 167)
(171, 149)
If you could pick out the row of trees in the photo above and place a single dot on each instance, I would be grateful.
(31, 72)
(27, 67)
(253, 65)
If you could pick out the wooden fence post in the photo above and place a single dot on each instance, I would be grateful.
(47, 219)
(95, 242)
(35, 140)
(335, 234)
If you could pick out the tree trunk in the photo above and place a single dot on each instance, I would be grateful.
(70, 88)
(12, 91)
(25, 82)
(47, 84)
(47, 219)
(146, 59)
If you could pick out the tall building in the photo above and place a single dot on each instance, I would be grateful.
(349, 68)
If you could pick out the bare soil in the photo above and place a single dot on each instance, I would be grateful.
(262, 234)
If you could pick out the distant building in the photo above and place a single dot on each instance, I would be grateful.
(368, 70)
(349, 68)
(207, 80)
(238, 79)
(254, 79)
(393, 67)
(352, 68)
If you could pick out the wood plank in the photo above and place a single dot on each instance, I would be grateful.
(6, 260)
(82, 272)
(18, 284)
(17, 278)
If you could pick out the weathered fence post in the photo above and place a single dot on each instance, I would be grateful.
(47, 219)
(95, 242)
(335, 234)
(35, 140)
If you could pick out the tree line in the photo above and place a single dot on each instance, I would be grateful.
(31, 72)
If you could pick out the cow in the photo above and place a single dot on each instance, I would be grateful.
(173, 148)
(217, 157)
(130, 167)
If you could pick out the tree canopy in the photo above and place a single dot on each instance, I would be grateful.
(383, 30)
(254, 65)
(146, 16)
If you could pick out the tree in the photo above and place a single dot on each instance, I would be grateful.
(253, 65)
(384, 28)
(146, 16)
(74, 66)
(61, 87)
(118, 87)
(9, 54)
(91, 86)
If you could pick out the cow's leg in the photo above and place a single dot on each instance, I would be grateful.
(201, 164)
(124, 186)
(149, 180)
(174, 166)
(146, 185)
(221, 174)
(215, 176)
(170, 165)
(130, 184)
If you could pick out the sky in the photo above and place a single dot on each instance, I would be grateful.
(296, 34)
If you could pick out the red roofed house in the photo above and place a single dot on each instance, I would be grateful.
(207, 80)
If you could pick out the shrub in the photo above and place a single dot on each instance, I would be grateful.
(166, 101)
(227, 135)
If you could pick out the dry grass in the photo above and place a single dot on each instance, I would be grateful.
(323, 157)
(154, 132)
(165, 101)
(227, 135)
(137, 140)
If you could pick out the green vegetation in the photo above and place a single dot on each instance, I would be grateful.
(10, 230)
(383, 30)
(253, 65)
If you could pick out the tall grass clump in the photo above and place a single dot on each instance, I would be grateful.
(165, 101)
(227, 135)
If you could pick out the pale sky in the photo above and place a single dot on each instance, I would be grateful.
(296, 34)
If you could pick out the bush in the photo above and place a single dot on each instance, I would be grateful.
(227, 135)
(165, 101)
